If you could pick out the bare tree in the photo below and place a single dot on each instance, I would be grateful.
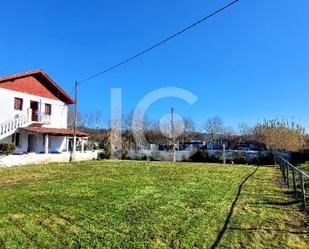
(189, 125)
(214, 127)
(126, 121)
(139, 123)
(89, 120)
(154, 134)
(154, 125)
(244, 129)
(80, 121)
(172, 127)
(98, 117)
(115, 130)
(189, 129)
(127, 133)
(228, 132)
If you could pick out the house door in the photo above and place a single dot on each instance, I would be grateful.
(31, 143)
(34, 107)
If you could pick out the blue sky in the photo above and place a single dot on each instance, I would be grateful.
(246, 64)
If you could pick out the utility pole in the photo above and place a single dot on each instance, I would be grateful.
(75, 120)
(173, 134)
(224, 154)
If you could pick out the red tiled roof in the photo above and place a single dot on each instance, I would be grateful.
(53, 131)
(39, 73)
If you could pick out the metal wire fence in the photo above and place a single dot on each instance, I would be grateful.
(295, 179)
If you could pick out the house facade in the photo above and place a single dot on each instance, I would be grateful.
(33, 114)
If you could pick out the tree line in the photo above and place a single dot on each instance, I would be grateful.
(282, 135)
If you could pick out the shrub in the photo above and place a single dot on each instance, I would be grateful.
(200, 156)
(239, 157)
(280, 135)
(124, 153)
(161, 156)
(7, 148)
(216, 157)
(155, 156)
(300, 157)
(101, 155)
(267, 159)
(107, 153)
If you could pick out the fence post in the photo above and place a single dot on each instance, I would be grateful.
(294, 183)
(303, 193)
(287, 175)
(224, 154)
(283, 171)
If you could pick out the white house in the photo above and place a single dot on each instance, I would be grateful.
(33, 114)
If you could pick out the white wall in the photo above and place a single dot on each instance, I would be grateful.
(57, 143)
(23, 142)
(11, 160)
(59, 109)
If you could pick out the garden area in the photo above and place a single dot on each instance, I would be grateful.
(142, 204)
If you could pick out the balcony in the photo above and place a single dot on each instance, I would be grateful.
(45, 119)
(40, 118)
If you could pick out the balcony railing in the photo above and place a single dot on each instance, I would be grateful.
(45, 119)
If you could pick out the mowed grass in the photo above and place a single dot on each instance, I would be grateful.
(304, 167)
(139, 204)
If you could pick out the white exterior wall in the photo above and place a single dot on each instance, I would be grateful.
(58, 114)
(57, 143)
(32, 158)
(58, 119)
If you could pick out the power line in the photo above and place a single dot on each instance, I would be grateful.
(72, 90)
(159, 43)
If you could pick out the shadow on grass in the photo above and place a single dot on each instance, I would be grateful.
(228, 218)
(279, 203)
(268, 230)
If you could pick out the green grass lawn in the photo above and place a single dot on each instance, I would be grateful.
(130, 204)
(304, 167)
